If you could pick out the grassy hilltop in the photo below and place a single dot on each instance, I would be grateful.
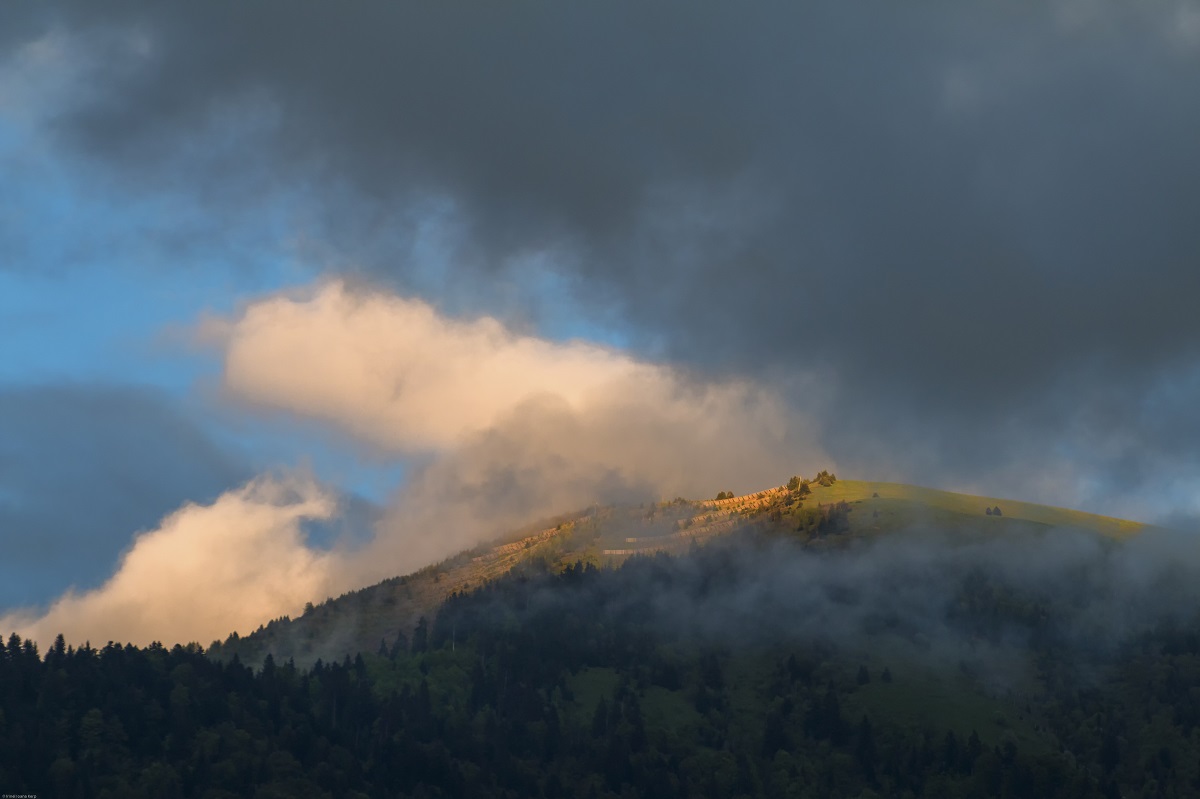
(902, 505)
(817, 515)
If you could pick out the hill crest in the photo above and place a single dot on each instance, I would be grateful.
(820, 513)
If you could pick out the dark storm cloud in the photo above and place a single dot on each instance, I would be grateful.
(978, 222)
(82, 468)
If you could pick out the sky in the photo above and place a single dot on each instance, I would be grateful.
(296, 298)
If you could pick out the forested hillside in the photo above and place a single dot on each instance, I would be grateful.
(818, 513)
(760, 669)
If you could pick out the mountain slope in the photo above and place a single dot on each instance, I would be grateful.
(826, 516)
(906, 502)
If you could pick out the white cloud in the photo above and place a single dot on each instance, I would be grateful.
(206, 571)
(512, 426)
(400, 376)
(394, 372)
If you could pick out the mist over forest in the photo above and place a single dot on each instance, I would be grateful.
(1050, 664)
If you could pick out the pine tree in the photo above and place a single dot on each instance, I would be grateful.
(864, 750)
(420, 641)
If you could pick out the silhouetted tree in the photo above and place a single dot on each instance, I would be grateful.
(864, 749)
(420, 640)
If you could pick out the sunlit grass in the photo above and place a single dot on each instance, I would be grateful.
(905, 502)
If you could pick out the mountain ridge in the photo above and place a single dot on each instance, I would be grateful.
(824, 512)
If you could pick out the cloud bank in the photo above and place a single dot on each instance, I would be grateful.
(393, 371)
(952, 601)
(502, 428)
(509, 427)
(205, 571)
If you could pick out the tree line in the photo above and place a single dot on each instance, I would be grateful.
(556, 682)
